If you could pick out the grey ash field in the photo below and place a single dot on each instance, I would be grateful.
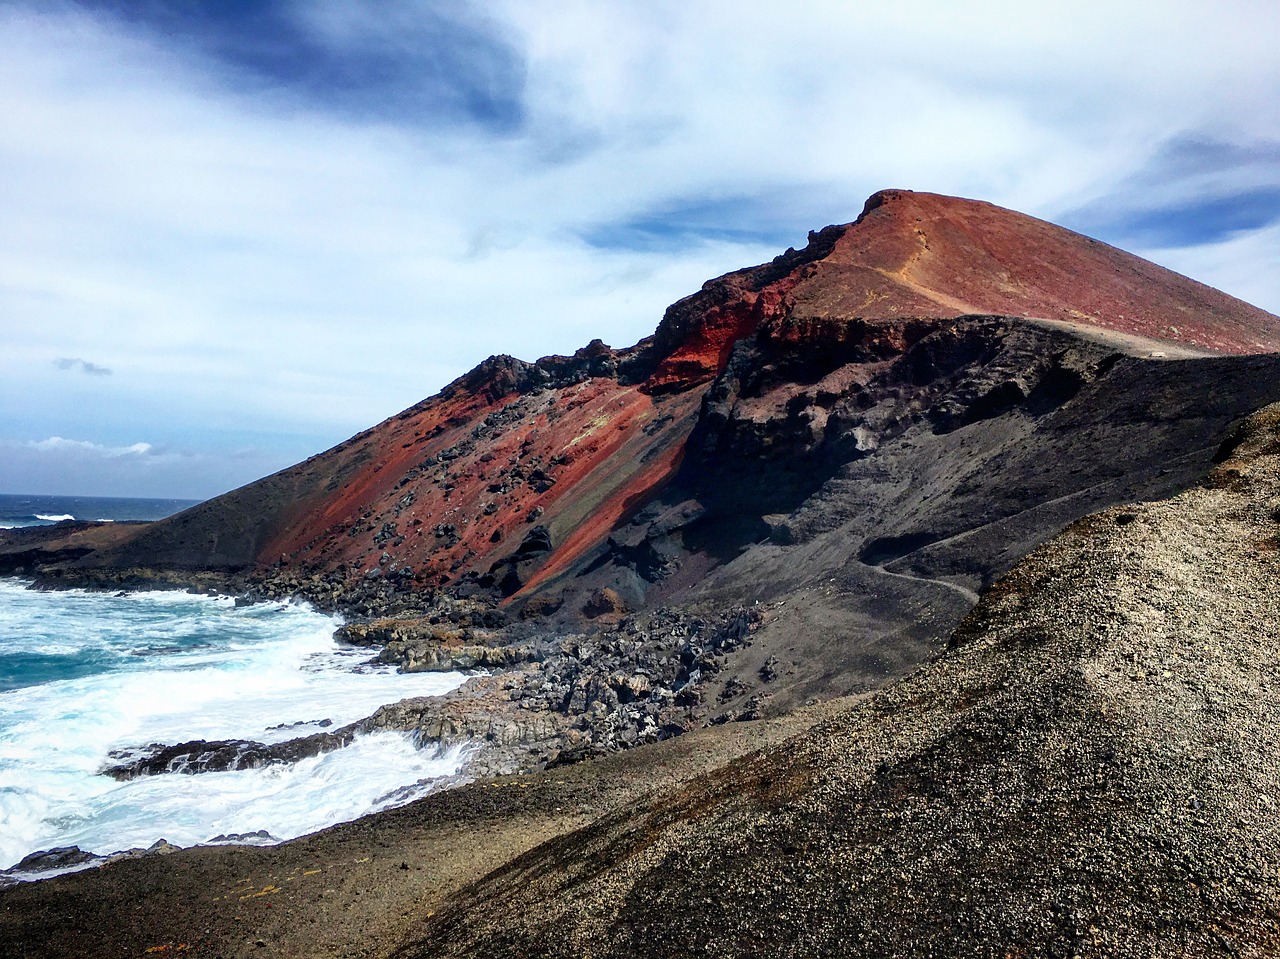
(912, 594)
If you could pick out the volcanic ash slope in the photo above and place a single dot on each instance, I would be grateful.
(1090, 770)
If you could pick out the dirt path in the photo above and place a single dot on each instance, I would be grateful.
(964, 592)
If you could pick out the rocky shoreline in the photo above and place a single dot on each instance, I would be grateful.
(540, 697)
(48, 863)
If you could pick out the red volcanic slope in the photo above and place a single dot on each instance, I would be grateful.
(920, 254)
(443, 492)
(456, 482)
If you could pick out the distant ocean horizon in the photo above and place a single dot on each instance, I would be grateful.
(18, 510)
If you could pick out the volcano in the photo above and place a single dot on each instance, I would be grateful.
(446, 489)
(880, 423)
(991, 498)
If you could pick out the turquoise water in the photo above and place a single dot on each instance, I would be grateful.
(83, 674)
(55, 637)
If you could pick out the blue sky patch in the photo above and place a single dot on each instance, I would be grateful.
(780, 220)
(1204, 221)
(1192, 192)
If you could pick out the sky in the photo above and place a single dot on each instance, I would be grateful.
(233, 234)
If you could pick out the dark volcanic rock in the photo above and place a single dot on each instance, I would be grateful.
(874, 494)
(1088, 771)
(205, 756)
(512, 573)
(640, 680)
(258, 835)
(47, 860)
(72, 858)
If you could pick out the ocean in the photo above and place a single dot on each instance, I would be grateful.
(83, 674)
(17, 510)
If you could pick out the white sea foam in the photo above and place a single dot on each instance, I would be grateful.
(176, 667)
(285, 801)
(54, 519)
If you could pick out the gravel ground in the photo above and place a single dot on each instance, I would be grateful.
(1090, 770)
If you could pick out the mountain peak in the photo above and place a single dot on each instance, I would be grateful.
(913, 255)
(923, 254)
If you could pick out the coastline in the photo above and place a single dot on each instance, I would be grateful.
(537, 697)
(543, 693)
(362, 887)
(124, 719)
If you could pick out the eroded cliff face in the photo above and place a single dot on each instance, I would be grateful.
(530, 481)
(868, 500)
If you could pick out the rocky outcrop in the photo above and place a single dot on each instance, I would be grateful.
(421, 646)
(511, 573)
(549, 700)
(641, 680)
(63, 859)
(211, 756)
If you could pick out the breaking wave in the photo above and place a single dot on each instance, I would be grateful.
(85, 674)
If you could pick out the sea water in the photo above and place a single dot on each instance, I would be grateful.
(29, 510)
(83, 674)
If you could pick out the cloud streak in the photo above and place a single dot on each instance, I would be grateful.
(1191, 192)
(58, 445)
(84, 366)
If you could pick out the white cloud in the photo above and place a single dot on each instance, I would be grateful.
(246, 262)
(57, 444)
(58, 465)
